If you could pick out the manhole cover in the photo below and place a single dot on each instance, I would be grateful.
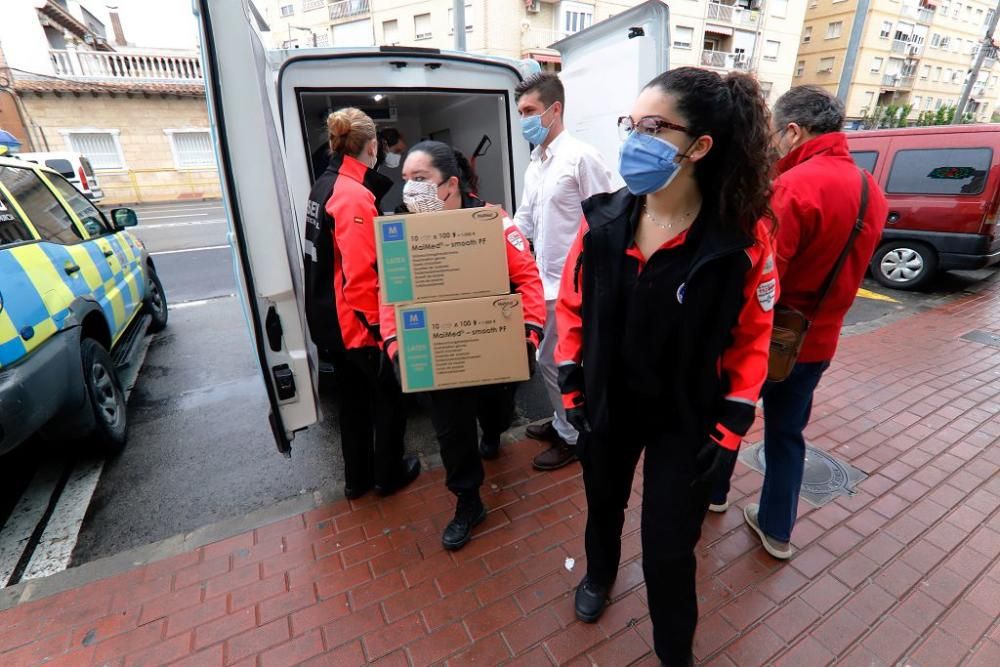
(984, 337)
(825, 476)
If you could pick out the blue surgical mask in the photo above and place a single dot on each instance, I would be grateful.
(533, 130)
(647, 163)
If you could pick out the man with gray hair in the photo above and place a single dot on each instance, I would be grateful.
(818, 202)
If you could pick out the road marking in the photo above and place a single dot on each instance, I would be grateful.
(198, 302)
(53, 552)
(26, 515)
(188, 223)
(171, 216)
(207, 247)
(868, 294)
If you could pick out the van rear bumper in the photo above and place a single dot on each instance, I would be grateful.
(955, 251)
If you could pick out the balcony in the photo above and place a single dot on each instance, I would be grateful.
(897, 81)
(309, 5)
(735, 16)
(343, 9)
(918, 14)
(111, 66)
(534, 39)
(724, 61)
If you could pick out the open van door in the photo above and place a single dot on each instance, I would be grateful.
(606, 66)
(263, 231)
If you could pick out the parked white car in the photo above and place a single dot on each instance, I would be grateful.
(74, 167)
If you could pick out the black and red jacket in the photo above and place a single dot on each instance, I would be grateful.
(687, 329)
(524, 280)
(341, 275)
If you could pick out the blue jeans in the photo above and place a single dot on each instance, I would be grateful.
(787, 407)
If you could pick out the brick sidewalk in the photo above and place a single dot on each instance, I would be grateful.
(906, 570)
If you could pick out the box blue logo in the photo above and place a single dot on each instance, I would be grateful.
(392, 231)
(413, 320)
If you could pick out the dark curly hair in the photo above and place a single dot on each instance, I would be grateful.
(735, 176)
(450, 162)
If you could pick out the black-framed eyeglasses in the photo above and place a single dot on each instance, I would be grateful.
(650, 125)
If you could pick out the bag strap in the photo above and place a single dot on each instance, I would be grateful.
(859, 224)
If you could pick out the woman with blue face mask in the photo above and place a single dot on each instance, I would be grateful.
(665, 316)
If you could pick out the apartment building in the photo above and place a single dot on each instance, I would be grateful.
(757, 35)
(877, 53)
(138, 115)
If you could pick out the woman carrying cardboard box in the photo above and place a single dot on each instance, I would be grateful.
(438, 178)
(342, 307)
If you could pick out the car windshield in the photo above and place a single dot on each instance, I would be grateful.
(64, 167)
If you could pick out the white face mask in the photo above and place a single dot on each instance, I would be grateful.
(422, 197)
(392, 160)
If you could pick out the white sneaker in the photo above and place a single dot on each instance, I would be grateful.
(719, 509)
(780, 550)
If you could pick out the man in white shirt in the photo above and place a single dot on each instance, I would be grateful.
(563, 172)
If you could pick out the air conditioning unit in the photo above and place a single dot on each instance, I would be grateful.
(533, 6)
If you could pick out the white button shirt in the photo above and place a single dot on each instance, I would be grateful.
(550, 210)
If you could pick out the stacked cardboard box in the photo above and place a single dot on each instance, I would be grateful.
(446, 276)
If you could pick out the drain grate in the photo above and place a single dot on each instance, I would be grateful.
(825, 476)
(984, 337)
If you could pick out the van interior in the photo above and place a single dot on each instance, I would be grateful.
(475, 123)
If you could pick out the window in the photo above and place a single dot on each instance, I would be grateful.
(683, 36)
(765, 89)
(949, 75)
(877, 64)
(322, 39)
(100, 146)
(800, 67)
(390, 32)
(468, 19)
(64, 167)
(40, 205)
(86, 212)
(886, 30)
(869, 99)
(779, 8)
(422, 26)
(935, 40)
(575, 16)
(955, 76)
(825, 65)
(287, 10)
(937, 74)
(12, 228)
(917, 101)
(865, 159)
(771, 49)
(927, 103)
(957, 11)
(807, 34)
(192, 149)
(945, 42)
(940, 171)
(979, 17)
(834, 29)
(968, 13)
(925, 73)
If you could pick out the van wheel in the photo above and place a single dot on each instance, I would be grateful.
(107, 400)
(904, 265)
(156, 302)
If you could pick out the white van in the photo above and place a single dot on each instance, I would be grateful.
(74, 167)
(268, 110)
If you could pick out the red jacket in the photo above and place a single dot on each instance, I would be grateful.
(355, 272)
(524, 280)
(728, 318)
(816, 200)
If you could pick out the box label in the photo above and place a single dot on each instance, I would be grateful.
(416, 343)
(396, 261)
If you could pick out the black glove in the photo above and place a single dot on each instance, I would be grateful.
(577, 417)
(395, 369)
(712, 461)
(532, 359)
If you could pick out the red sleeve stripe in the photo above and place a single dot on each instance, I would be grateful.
(726, 438)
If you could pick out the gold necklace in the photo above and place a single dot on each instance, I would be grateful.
(670, 225)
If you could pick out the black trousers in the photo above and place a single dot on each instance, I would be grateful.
(672, 514)
(372, 418)
(455, 413)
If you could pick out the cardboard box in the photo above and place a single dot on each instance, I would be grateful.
(465, 343)
(441, 256)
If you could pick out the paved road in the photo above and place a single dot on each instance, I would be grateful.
(200, 449)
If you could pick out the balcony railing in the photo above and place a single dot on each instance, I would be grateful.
(898, 81)
(540, 38)
(736, 16)
(126, 66)
(309, 5)
(899, 45)
(919, 14)
(724, 60)
(343, 9)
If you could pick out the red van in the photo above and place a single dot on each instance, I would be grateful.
(942, 184)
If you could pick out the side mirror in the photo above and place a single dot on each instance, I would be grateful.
(124, 217)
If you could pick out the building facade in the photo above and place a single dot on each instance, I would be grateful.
(139, 116)
(911, 54)
(752, 35)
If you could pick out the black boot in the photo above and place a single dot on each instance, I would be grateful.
(469, 513)
(409, 471)
(591, 600)
(489, 446)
